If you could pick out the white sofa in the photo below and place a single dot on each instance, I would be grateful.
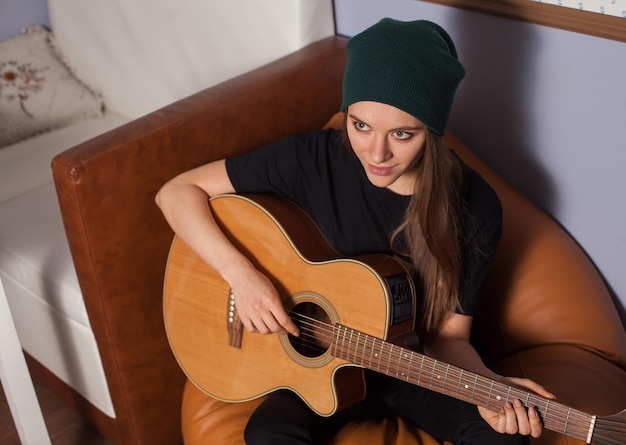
(140, 56)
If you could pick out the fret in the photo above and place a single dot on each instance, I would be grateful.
(469, 387)
(419, 378)
(508, 396)
(458, 387)
(343, 341)
(527, 403)
(474, 387)
(569, 411)
(371, 351)
(489, 396)
(377, 355)
(445, 379)
(432, 376)
(349, 345)
(408, 373)
(389, 359)
(403, 357)
(438, 375)
(358, 339)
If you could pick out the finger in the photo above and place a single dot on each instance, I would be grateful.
(540, 390)
(275, 321)
(259, 326)
(533, 386)
(510, 419)
(536, 427)
(523, 423)
(501, 422)
(288, 325)
(282, 323)
(247, 323)
(272, 324)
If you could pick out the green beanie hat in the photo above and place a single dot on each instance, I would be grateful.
(412, 66)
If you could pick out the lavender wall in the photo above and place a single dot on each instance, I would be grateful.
(14, 14)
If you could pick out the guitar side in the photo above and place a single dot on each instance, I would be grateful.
(303, 268)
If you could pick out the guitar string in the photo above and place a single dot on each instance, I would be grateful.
(569, 421)
(569, 418)
(318, 330)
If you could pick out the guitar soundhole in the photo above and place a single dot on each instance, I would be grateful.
(316, 330)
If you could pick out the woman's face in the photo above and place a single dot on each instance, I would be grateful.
(389, 143)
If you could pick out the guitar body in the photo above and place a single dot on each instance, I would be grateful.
(373, 294)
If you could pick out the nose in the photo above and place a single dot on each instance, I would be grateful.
(379, 150)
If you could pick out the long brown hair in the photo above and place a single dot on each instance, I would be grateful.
(433, 230)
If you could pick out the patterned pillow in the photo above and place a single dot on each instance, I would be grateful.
(38, 92)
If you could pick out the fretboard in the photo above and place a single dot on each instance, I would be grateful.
(378, 355)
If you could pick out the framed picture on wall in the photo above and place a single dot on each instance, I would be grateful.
(601, 18)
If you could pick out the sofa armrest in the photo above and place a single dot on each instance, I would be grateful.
(119, 240)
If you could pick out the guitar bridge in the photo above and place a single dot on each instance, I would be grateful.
(233, 323)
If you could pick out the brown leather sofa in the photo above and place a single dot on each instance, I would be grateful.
(546, 315)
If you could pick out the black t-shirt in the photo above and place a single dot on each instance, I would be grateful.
(326, 179)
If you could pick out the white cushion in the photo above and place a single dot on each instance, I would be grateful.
(25, 165)
(44, 295)
(37, 90)
(35, 252)
(145, 54)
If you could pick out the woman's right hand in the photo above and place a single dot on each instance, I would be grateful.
(183, 201)
(259, 305)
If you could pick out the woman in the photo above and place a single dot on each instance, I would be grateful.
(384, 184)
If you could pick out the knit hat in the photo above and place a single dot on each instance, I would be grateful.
(412, 66)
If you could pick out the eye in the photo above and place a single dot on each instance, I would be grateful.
(402, 135)
(361, 126)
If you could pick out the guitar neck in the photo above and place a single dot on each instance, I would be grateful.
(378, 355)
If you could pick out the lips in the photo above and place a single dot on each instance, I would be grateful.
(380, 171)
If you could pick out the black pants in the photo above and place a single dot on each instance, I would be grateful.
(283, 418)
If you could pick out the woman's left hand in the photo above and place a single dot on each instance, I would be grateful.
(515, 417)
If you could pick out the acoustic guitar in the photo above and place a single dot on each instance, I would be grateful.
(352, 313)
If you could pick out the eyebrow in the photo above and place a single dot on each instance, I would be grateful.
(407, 128)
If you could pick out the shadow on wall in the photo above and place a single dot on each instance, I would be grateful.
(618, 304)
(492, 112)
